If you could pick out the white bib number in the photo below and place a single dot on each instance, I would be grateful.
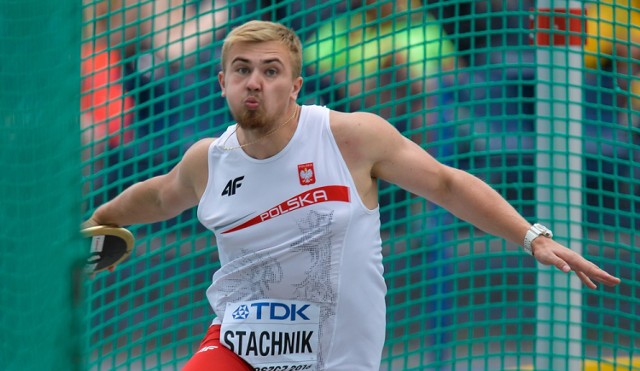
(273, 334)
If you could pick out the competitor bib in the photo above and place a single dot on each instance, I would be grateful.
(273, 334)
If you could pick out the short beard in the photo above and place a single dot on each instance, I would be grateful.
(251, 120)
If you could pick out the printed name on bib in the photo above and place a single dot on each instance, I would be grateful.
(276, 334)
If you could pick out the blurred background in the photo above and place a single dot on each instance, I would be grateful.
(539, 99)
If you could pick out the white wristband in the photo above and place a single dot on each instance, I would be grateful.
(534, 232)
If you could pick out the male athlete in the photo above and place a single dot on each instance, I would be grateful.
(290, 192)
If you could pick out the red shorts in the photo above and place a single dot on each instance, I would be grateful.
(213, 356)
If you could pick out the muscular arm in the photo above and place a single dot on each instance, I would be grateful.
(162, 197)
(406, 164)
(378, 150)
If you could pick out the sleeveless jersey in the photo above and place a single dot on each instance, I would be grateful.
(293, 227)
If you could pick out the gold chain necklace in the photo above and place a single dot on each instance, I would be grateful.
(295, 111)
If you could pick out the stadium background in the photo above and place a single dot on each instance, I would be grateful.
(97, 95)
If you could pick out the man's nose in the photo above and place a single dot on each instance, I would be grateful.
(255, 81)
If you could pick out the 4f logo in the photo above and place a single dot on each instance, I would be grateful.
(232, 186)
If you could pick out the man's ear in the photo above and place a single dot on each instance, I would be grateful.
(297, 86)
(221, 82)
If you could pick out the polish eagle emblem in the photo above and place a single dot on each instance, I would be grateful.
(306, 174)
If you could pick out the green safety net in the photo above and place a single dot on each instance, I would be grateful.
(41, 255)
(539, 101)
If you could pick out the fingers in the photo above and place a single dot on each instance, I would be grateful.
(566, 260)
(605, 278)
(599, 276)
(556, 261)
(588, 276)
(586, 280)
(88, 223)
(592, 271)
(560, 264)
(111, 269)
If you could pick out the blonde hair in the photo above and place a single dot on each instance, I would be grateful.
(264, 31)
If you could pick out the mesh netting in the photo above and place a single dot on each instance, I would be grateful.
(40, 187)
(540, 104)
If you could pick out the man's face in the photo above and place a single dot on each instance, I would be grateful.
(258, 83)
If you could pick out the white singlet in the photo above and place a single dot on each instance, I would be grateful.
(293, 228)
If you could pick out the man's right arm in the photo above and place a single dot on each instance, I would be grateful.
(161, 197)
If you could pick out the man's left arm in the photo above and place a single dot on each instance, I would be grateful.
(402, 162)
(474, 201)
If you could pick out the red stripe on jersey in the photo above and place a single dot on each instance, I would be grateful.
(311, 197)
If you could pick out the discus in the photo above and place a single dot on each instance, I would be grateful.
(109, 247)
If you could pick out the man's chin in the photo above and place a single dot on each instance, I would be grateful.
(250, 119)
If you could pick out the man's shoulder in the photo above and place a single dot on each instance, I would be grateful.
(199, 148)
(363, 137)
(355, 126)
(351, 118)
(203, 143)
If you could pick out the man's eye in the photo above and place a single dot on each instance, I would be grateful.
(271, 72)
(242, 70)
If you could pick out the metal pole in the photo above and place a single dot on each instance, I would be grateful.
(558, 178)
